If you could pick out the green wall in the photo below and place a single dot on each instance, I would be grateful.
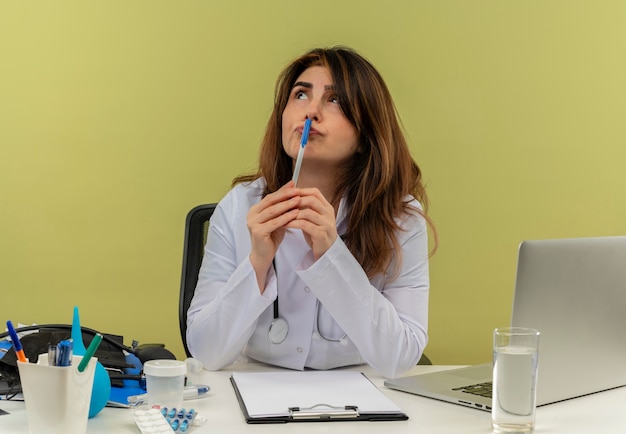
(117, 117)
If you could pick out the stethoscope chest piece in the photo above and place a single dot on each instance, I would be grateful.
(278, 330)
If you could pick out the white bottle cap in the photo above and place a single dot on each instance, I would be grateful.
(165, 368)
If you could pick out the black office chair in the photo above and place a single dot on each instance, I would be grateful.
(196, 230)
(424, 360)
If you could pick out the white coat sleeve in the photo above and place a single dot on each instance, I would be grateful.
(388, 322)
(227, 302)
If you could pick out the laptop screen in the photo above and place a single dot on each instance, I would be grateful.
(574, 292)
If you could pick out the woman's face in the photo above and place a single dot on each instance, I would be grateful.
(332, 138)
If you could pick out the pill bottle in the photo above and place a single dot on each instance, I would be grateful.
(165, 382)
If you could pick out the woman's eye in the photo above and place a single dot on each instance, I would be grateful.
(334, 99)
(300, 94)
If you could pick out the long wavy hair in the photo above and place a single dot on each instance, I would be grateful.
(378, 180)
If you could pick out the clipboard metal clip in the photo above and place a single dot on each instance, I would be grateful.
(324, 411)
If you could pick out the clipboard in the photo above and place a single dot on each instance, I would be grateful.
(311, 396)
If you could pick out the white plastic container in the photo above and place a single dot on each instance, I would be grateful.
(165, 382)
(57, 397)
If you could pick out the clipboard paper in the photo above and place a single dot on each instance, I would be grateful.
(311, 396)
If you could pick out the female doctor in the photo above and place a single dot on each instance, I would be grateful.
(330, 269)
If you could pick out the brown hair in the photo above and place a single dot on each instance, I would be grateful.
(378, 179)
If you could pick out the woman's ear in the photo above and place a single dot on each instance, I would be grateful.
(360, 148)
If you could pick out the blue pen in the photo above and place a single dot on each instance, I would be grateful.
(303, 142)
(195, 391)
(19, 351)
(64, 353)
(190, 392)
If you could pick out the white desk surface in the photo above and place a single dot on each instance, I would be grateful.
(598, 413)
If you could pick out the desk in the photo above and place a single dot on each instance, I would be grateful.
(603, 412)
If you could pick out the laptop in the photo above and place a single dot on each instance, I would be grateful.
(574, 292)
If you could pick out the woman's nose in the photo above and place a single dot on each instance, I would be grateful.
(313, 111)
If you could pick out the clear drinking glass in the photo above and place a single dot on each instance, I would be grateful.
(515, 360)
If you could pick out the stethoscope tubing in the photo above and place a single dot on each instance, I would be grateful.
(279, 328)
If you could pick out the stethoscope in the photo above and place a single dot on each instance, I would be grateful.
(279, 328)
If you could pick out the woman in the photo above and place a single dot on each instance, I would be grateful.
(331, 272)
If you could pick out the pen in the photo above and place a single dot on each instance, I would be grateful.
(196, 391)
(52, 355)
(63, 353)
(303, 141)
(190, 392)
(93, 346)
(16, 343)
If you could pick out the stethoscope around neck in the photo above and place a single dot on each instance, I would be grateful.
(279, 328)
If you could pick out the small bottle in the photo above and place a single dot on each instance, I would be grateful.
(165, 382)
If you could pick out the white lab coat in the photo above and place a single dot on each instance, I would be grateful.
(385, 321)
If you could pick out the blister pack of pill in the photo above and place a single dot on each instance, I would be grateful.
(161, 420)
(180, 420)
(152, 421)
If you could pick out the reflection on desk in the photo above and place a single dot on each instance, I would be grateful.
(602, 412)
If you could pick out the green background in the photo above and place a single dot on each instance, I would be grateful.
(117, 117)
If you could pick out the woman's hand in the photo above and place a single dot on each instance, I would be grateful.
(316, 218)
(267, 221)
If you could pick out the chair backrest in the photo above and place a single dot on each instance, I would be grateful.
(196, 229)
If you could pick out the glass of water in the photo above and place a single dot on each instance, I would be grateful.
(515, 357)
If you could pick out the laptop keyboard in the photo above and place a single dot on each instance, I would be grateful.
(480, 389)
